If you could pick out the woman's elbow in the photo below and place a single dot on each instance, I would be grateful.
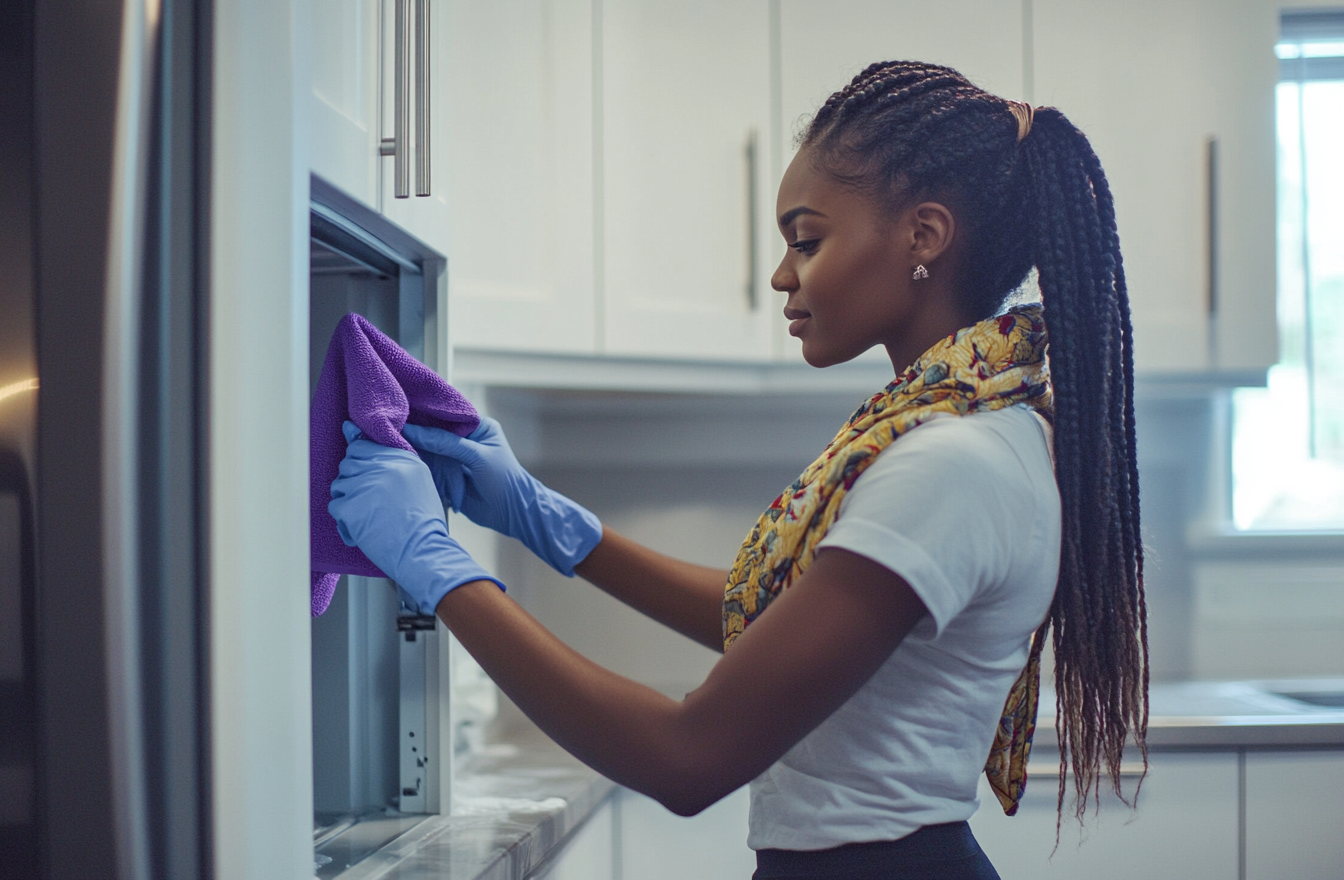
(690, 803)
(689, 791)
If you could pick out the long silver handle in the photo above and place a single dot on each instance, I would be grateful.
(422, 97)
(752, 153)
(396, 145)
(1211, 168)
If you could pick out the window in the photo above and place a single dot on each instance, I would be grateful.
(1288, 438)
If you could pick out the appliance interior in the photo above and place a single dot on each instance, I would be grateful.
(374, 661)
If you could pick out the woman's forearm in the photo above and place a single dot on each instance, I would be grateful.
(814, 648)
(686, 597)
(623, 729)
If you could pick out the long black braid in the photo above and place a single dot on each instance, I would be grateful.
(905, 131)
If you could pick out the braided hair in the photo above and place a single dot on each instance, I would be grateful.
(903, 131)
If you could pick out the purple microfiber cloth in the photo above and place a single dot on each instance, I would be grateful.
(370, 380)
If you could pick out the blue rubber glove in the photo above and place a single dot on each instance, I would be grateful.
(384, 503)
(479, 476)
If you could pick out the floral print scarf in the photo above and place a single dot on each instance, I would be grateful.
(996, 363)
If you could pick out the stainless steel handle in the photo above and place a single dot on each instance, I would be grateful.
(396, 145)
(752, 153)
(422, 97)
(1211, 167)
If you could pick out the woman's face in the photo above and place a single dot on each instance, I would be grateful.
(847, 270)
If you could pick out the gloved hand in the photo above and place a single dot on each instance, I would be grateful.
(385, 504)
(479, 476)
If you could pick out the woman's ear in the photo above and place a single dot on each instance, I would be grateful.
(931, 229)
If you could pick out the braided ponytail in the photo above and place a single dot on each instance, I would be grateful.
(903, 130)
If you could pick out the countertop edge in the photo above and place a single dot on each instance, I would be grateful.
(1228, 732)
(501, 831)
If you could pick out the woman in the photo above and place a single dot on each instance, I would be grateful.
(908, 568)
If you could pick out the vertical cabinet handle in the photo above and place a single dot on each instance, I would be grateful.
(422, 97)
(398, 146)
(1211, 169)
(752, 156)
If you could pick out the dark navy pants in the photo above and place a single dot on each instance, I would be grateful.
(934, 852)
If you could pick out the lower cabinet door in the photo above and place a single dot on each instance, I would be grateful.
(588, 855)
(1185, 826)
(1295, 815)
(655, 844)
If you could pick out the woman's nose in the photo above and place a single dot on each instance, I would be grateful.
(784, 279)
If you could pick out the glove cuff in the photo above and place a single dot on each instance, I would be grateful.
(571, 531)
(429, 601)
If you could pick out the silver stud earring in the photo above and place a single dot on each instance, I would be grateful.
(920, 273)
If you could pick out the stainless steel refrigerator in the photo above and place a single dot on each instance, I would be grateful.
(102, 688)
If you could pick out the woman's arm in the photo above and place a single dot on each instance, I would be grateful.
(686, 597)
(480, 477)
(795, 665)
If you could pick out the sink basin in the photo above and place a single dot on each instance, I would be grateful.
(1325, 699)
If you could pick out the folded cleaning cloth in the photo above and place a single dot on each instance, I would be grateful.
(370, 380)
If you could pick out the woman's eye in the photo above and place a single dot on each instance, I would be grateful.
(805, 247)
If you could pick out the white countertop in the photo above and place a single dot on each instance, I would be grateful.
(1230, 715)
(516, 803)
(513, 806)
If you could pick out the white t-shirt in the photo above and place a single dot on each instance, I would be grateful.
(966, 510)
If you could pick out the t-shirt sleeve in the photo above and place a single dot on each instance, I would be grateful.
(942, 507)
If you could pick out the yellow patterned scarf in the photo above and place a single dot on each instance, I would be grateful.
(995, 363)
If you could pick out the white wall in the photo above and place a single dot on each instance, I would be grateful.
(1268, 618)
(686, 475)
(689, 474)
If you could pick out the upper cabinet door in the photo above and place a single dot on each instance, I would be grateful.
(343, 112)
(823, 44)
(1151, 83)
(424, 216)
(685, 202)
(519, 173)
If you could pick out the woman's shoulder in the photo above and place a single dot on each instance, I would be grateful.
(1010, 438)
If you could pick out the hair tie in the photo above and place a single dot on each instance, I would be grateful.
(1024, 113)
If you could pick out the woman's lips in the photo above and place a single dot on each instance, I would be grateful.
(797, 317)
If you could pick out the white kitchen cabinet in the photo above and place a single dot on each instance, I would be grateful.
(1294, 811)
(425, 217)
(351, 110)
(658, 845)
(519, 174)
(1150, 83)
(824, 44)
(588, 855)
(343, 107)
(1185, 826)
(684, 213)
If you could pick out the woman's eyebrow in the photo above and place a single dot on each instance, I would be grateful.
(788, 216)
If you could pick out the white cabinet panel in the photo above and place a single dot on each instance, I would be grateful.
(1185, 826)
(658, 845)
(343, 110)
(1294, 815)
(824, 44)
(1150, 82)
(684, 86)
(589, 855)
(425, 217)
(519, 173)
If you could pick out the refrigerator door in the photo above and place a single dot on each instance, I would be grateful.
(18, 414)
(114, 597)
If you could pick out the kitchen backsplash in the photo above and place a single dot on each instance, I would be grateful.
(689, 474)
